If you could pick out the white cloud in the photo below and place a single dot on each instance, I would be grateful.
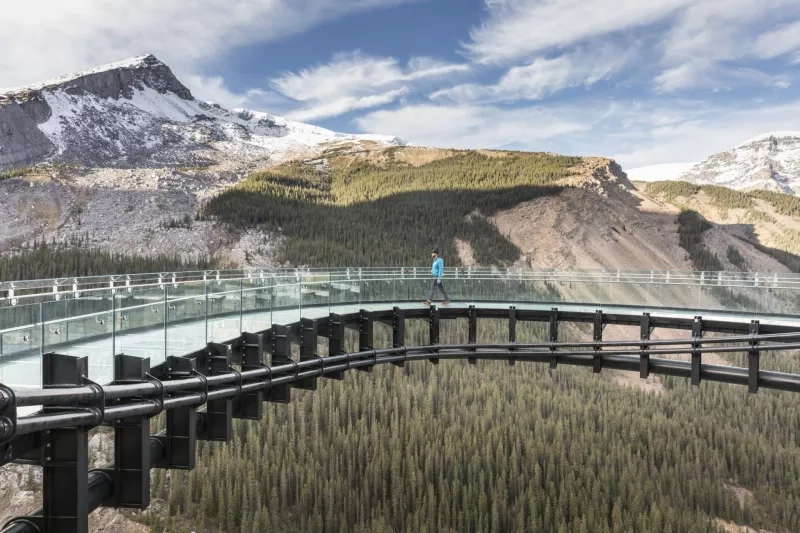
(474, 126)
(544, 76)
(636, 134)
(779, 41)
(710, 37)
(353, 81)
(46, 38)
(518, 29)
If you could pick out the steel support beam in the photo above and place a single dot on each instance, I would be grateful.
(644, 356)
(753, 359)
(365, 335)
(512, 332)
(553, 337)
(434, 323)
(597, 360)
(336, 342)
(399, 333)
(280, 354)
(250, 405)
(472, 335)
(308, 351)
(697, 357)
(180, 439)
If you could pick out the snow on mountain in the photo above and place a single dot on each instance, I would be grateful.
(135, 113)
(669, 171)
(770, 161)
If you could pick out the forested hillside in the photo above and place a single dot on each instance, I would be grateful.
(393, 213)
(43, 261)
(766, 220)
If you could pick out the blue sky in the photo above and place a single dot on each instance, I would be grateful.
(643, 81)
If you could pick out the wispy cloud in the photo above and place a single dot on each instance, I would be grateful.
(354, 80)
(544, 76)
(518, 29)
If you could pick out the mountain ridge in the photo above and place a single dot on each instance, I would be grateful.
(136, 113)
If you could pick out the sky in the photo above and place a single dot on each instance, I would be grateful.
(642, 81)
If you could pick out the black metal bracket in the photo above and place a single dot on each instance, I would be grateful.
(697, 357)
(280, 354)
(597, 360)
(308, 351)
(365, 335)
(336, 342)
(218, 413)
(180, 439)
(472, 335)
(399, 333)
(8, 416)
(130, 475)
(249, 405)
(553, 338)
(512, 333)
(644, 335)
(753, 359)
(434, 318)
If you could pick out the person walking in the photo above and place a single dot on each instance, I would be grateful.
(437, 271)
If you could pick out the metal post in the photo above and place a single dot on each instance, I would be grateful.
(697, 358)
(65, 473)
(553, 337)
(130, 474)
(180, 440)
(598, 337)
(644, 336)
(336, 333)
(308, 351)
(512, 332)
(753, 359)
(218, 413)
(251, 350)
(365, 335)
(399, 333)
(433, 331)
(472, 336)
(280, 354)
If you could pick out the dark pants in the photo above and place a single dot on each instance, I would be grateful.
(437, 284)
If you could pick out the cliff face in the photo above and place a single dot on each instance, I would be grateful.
(21, 141)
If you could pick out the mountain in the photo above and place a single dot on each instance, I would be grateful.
(768, 162)
(137, 113)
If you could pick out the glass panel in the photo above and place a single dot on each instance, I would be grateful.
(224, 310)
(315, 292)
(186, 318)
(82, 327)
(21, 346)
(140, 316)
(257, 304)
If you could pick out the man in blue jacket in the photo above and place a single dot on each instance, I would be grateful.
(437, 271)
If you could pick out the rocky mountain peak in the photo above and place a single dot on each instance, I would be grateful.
(135, 113)
(770, 161)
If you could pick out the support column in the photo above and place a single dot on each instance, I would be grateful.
(644, 336)
(180, 439)
(131, 473)
(280, 354)
(433, 331)
(399, 333)
(512, 333)
(553, 337)
(336, 339)
(308, 351)
(697, 359)
(365, 335)
(218, 413)
(472, 336)
(597, 365)
(250, 406)
(753, 359)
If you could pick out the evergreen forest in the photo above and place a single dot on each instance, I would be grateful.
(363, 213)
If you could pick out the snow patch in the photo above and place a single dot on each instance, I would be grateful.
(767, 136)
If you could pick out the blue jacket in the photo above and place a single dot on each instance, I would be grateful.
(437, 270)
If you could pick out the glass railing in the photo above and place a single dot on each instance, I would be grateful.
(156, 315)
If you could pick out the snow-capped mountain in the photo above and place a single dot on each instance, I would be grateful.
(770, 161)
(137, 113)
